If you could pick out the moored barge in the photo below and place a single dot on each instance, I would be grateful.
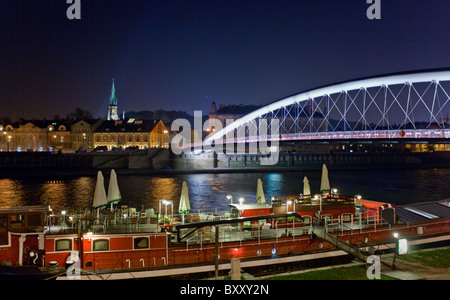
(124, 240)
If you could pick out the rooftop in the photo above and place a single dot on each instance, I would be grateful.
(425, 211)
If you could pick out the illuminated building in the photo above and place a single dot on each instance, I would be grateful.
(58, 137)
(36, 136)
(82, 134)
(5, 137)
(122, 134)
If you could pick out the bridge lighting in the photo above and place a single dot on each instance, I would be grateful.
(372, 118)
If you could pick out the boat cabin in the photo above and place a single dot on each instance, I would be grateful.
(113, 252)
(378, 211)
(250, 210)
(22, 219)
(21, 234)
(325, 204)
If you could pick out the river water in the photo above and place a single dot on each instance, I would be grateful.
(397, 186)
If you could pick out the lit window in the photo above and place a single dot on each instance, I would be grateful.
(101, 245)
(63, 245)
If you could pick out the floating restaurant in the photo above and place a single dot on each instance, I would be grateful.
(115, 241)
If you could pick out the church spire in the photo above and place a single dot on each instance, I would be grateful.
(112, 109)
(113, 98)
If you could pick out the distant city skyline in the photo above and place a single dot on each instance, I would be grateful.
(184, 55)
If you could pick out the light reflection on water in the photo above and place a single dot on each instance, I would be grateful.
(211, 190)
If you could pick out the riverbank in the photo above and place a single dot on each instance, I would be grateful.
(91, 172)
(426, 264)
(161, 162)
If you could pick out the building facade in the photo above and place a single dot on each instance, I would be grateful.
(58, 137)
(123, 134)
(82, 134)
(5, 137)
(35, 136)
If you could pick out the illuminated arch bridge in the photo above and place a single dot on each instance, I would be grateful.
(406, 105)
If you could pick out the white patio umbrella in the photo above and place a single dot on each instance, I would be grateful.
(260, 198)
(325, 182)
(185, 205)
(114, 195)
(306, 187)
(99, 194)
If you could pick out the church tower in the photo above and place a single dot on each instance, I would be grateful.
(112, 109)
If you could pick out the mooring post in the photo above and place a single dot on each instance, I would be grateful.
(235, 269)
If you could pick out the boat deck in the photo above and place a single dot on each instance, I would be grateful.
(234, 230)
(425, 211)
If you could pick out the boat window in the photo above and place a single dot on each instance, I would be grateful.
(17, 221)
(63, 245)
(34, 220)
(234, 213)
(2, 221)
(141, 243)
(101, 245)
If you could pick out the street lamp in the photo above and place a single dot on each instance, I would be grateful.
(287, 205)
(54, 143)
(401, 246)
(230, 197)
(166, 203)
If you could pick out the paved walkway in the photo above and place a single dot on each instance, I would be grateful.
(406, 270)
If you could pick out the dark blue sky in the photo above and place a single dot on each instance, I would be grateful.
(182, 55)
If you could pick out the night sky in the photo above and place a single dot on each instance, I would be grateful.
(182, 55)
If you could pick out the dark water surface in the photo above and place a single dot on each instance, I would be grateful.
(210, 190)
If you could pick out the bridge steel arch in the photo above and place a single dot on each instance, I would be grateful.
(410, 105)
